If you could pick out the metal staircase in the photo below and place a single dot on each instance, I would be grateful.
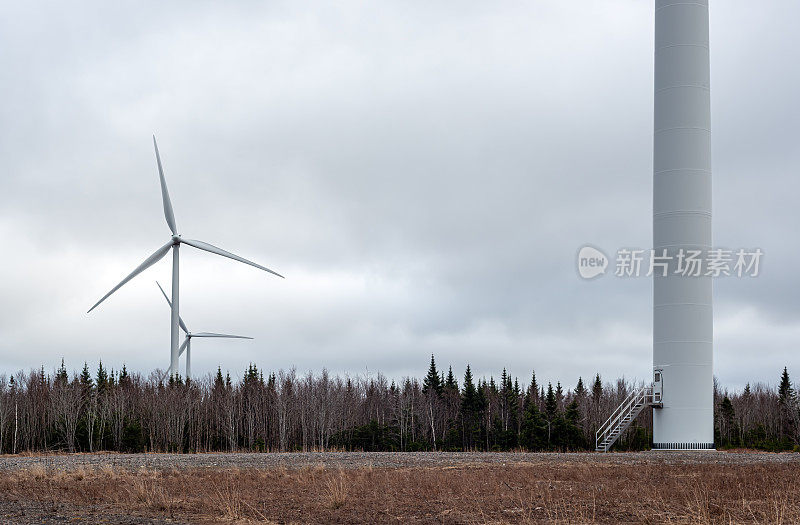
(623, 416)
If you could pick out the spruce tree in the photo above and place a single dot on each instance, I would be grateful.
(432, 381)
(573, 435)
(551, 410)
(123, 376)
(61, 375)
(727, 415)
(786, 400)
(580, 390)
(533, 390)
(102, 378)
(451, 383)
(469, 394)
(597, 389)
(219, 381)
(534, 427)
(550, 402)
(559, 394)
(785, 390)
(469, 410)
(86, 377)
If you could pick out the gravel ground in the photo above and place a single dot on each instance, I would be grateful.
(52, 510)
(351, 460)
(52, 513)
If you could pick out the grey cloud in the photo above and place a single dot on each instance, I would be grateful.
(422, 175)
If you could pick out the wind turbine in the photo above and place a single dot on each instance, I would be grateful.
(174, 243)
(187, 343)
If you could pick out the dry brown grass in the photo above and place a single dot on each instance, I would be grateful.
(548, 492)
(337, 487)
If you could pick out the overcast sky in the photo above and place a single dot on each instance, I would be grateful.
(422, 173)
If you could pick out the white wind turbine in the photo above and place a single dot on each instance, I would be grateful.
(187, 343)
(174, 243)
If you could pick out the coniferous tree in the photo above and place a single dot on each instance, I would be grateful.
(432, 387)
(786, 404)
(61, 375)
(572, 435)
(470, 409)
(551, 410)
(451, 383)
(559, 395)
(123, 376)
(454, 437)
(102, 378)
(785, 390)
(86, 377)
(534, 428)
(597, 390)
(432, 381)
(533, 390)
(727, 422)
(482, 416)
(580, 390)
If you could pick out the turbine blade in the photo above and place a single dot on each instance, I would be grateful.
(168, 214)
(165, 374)
(150, 261)
(183, 346)
(180, 320)
(213, 249)
(227, 336)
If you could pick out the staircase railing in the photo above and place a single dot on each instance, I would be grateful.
(622, 417)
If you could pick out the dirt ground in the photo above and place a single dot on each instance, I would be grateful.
(646, 487)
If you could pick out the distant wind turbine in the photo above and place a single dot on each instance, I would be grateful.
(174, 243)
(187, 343)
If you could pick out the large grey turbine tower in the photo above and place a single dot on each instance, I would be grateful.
(682, 312)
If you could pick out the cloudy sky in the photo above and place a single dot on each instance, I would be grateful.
(422, 174)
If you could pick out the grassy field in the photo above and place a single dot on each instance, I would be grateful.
(715, 487)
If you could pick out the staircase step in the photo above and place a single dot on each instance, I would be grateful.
(625, 415)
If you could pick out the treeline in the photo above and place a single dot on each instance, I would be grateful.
(758, 417)
(286, 411)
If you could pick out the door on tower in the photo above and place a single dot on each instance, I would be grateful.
(658, 386)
